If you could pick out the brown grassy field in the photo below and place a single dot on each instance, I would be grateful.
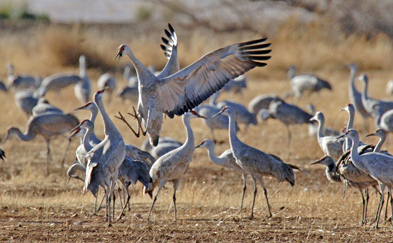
(35, 207)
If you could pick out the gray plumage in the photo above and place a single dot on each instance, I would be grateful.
(350, 176)
(47, 125)
(306, 83)
(236, 85)
(226, 159)
(43, 106)
(213, 123)
(288, 114)
(379, 166)
(261, 102)
(177, 93)
(25, 101)
(313, 127)
(355, 97)
(128, 93)
(146, 145)
(255, 162)
(383, 119)
(369, 103)
(172, 165)
(82, 88)
(329, 144)
(103, 168)
(107, 80)
(389, 88)
(21, 82)
(243, 116)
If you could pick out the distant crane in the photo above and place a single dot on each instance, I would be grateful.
(21, 82)
(25, 101)
(236, 85)
(43, 106)
(177, 93)
(355, 97)
(255, 162)
(261, 102)
(243, 116)
(107, 80)
(313, 127)
(47, 125)
(377, 165)
(288, 114)
(306, 83)
(172, 165)
(83, 88)
(226, 159)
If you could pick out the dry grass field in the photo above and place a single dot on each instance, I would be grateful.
(35, 207)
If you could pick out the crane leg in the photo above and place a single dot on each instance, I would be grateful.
(162, 183)
(102, 200)
(176, 184)
(380, 205)
(65, 153)
(244, 190)
(126, 202)
(387, 204)
(47, 157)
(265, 192)
(253, 200)
(364, 206)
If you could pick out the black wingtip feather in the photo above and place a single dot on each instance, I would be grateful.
(248, 43)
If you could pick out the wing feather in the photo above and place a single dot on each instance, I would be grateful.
(192, 85)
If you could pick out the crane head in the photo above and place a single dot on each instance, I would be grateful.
(120, 53)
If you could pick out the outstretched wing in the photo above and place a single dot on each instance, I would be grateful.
(170, 51)
(192, 85)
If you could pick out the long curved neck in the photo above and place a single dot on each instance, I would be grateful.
(380, 143)
(127, 73)
(213, 99)
(355, 155)
(82, 68)
(216, 160)
(352, 87)
(233, 139)
(109, 126)
(86, 139)
(321, 125)
(190, 141)
(365, 92)
(24, 136)
(141, 70)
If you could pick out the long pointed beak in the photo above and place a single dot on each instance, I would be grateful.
(217, 114)
(73, 134)
(199, 145)
(371, 134)
(318, 161)
(79, 108)
(119, 55)
(342, 109)
(313, 119)
(196, 114)
(75, 128)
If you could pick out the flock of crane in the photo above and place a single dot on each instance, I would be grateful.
(175, 91)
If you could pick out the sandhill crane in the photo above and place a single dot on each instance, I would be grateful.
(313, 127)
(111, 153)
(346, 172)
(71, 172)
(218, 122)
(255, 162)
(329, 144)
(261, 102)
(243, 116)
(383, 120)
(350, 108)
(47, 125)
(82, 88)
(236, 85)
(128, 93)
(21, 82)
(306, 83)
(226, 159)
(107, 80)
(25, 101)
(377, 165)
(56, 82)
(92, 107)
(355, 97)
(288, 114)
(177, 93)
(382, 138)
(43, 106)
(368, 102)
(172, 165)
